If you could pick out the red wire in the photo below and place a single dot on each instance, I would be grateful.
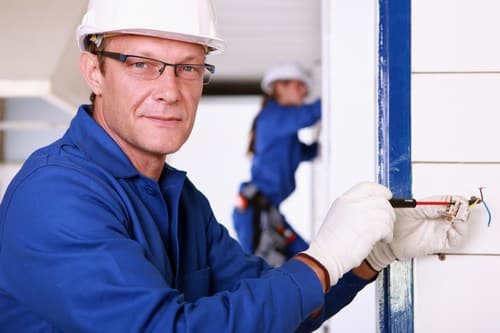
(434, 203)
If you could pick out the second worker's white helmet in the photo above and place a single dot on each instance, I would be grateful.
(284, 71)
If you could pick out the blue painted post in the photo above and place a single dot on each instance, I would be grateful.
(395, 284)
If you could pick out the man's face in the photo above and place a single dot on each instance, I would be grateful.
(148, 118)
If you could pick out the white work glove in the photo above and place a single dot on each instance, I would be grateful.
(311, 134)
(421, 231)
(355, 222)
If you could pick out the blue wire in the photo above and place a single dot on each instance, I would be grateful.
(489, 213)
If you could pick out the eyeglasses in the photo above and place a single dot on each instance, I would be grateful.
(150, 69)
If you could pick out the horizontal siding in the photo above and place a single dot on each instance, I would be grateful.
(457, 295)
(455, 117)
(455, 120)
(455, 35)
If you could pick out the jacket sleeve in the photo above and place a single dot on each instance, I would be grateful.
(310, 151)
(280, 120)
(255, 297)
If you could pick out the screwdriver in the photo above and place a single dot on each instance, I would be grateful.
(412, 203)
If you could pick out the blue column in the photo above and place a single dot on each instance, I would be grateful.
(395, 284)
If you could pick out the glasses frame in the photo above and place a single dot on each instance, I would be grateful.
(123, 58)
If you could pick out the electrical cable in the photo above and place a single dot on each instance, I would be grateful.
(487, 211)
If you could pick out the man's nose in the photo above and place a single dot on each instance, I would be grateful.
(167, 86)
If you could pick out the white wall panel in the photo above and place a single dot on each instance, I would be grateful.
(459, 294)
(351, 91)
(465, 179)
(21, 142)
(455, 35)
(7, 172)
(455, 117)
(349, 125)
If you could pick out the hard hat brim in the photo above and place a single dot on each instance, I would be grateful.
(214, 45)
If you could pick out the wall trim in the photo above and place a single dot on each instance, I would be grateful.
(395, 294)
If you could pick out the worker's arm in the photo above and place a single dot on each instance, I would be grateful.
(276, 120)
(355, 221)
(309, 151)
(347, 222)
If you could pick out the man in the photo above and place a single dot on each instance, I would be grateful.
(98, 234)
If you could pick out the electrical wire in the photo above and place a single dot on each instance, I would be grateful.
(487, 211)
(474, 201)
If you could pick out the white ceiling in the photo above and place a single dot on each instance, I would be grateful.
(260, 32)
(39, 53)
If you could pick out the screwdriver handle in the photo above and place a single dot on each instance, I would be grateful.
(403, 203)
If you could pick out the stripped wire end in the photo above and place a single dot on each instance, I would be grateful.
(473, 201)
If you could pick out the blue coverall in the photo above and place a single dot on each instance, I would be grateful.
(278, 153)
(90, 245)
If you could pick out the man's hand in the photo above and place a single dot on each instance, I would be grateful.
(355, 222)
(420, 231)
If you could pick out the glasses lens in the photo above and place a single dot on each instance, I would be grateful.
(146, 69)
(209, 71)
(207, 77)
(190, 72)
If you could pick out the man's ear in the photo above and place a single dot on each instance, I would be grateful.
(89, 67)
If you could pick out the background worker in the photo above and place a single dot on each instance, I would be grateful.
(276, 151)
(99, 234)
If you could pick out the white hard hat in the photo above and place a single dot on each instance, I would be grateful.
(284, 71)
(190, 21)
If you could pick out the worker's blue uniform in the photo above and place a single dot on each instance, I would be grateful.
(90, 245)
(278, 152)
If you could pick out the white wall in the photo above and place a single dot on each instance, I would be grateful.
(31, 123)
(39, 123)
(349, 90)
(455, 102)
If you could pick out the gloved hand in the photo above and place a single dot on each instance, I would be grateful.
(311, 134)
(355, 222)
(420, 231)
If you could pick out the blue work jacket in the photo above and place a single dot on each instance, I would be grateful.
(90, 245)
(278, 150)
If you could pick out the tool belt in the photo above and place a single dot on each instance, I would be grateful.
(271, 236)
